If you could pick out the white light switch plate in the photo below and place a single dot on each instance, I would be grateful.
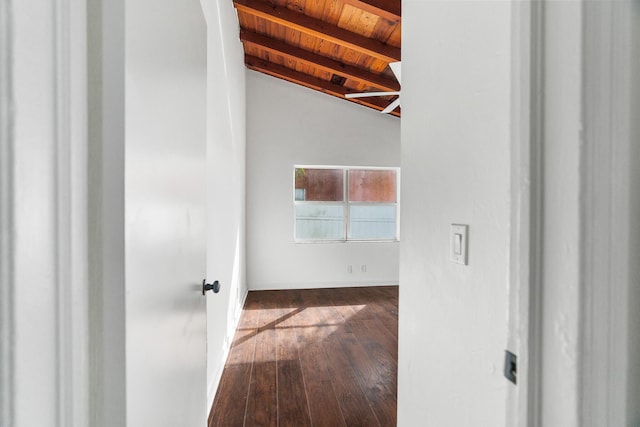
(459, 242)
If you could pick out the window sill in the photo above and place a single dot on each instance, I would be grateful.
(304, 242)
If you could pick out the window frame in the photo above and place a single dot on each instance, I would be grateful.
(346, 204)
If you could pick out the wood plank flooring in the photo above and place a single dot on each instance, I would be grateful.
(317, 357)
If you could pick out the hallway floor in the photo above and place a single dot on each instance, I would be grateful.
(318, 357)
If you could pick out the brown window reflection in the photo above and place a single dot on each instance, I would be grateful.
(372, 185)
(319, 185)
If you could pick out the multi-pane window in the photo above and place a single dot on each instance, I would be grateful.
(345, 203)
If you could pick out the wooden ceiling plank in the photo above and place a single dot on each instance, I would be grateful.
(335, 67)
(388, 9)
(257, 64)
(318, 28)
(332, 11)
(384, 30)
(314, 8)
(359, 21)
(395, 39)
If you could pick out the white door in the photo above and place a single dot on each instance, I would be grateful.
(165, 160)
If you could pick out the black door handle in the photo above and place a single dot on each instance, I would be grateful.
(215, 287)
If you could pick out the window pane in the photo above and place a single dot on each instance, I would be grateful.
(372, 185)
(372, 222)
(300, 194)
(320, 185)
(319, 222)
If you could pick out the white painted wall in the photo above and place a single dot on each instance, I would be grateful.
(456, 169)
(288, 125)
(225, 183)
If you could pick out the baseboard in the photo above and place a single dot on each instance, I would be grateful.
(319, 285)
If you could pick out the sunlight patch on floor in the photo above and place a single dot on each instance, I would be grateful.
(303, 326)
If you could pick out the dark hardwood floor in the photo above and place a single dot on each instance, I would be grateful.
(318, 357)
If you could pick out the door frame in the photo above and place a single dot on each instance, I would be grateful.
(70, 349)
(604, 214)
(7, 283)
(525, 299)
(106, 234)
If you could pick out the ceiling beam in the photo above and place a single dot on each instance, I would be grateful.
(317, 28)
(388, 9)
(275, 70)
(321, 62)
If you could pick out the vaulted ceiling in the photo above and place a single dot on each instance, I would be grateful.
(332, 46)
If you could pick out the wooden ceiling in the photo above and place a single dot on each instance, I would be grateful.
(332, 46)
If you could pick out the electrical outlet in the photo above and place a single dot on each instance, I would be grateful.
(349, 269)
(363, 268)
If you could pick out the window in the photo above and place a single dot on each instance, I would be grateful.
(345, 203)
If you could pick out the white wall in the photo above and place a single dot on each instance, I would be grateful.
(456, 169)
(225, 183)
(288, 125)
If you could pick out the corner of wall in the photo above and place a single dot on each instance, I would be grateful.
(214, 379)
(226, 240)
